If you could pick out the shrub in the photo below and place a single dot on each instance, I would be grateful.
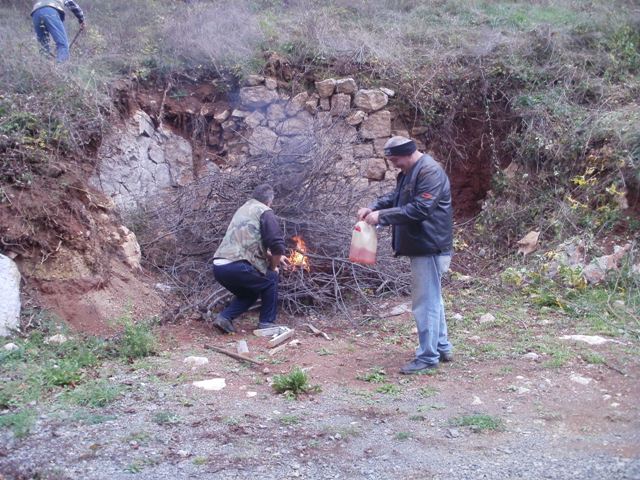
(138, 340)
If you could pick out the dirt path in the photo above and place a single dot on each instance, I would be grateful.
(529, 418)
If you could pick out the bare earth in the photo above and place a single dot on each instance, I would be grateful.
(577, 420)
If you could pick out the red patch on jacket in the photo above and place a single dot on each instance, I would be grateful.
(426, 196)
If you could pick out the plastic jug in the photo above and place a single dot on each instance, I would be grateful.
(364, 244)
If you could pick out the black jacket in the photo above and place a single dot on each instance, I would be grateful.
(421, 214)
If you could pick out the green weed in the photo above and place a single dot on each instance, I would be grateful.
(289, 420)
(479, 423)
(376, 375)
(389, 389)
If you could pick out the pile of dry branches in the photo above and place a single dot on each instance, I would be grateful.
(314, 200)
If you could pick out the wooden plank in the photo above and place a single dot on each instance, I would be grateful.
(267, 332)
(277, 340)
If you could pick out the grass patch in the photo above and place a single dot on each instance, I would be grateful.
(95, 394)
(20, 423)
(479, 423)
(428, 392)
(389, 389)
(293, 383)
(289, 420)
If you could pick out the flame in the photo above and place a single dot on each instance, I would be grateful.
(298, 257)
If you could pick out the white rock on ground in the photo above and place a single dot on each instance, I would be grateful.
(580, 379)
(9, 296)
(196, 361)
(213, 384)
(59, 339)
(486, 318)
(11, 347)
(590, 339)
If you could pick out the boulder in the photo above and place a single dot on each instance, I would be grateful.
(256, 97)
(346, 85)
(130, 247)
(376, 125)
(375, 168)
(9, 296)
(340, 105)
(370, 100)
(326, 87)
(325, 104)
(263, 140)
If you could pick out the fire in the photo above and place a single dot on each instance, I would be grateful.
(298, 257)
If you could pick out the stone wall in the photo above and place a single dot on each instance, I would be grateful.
(139, 161)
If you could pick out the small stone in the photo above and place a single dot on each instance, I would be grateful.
(253, 80)
(531, 356)
(11, 347)
(453, 433)
(486, 318)
(183, 453)
(251, 394)
(356, 118)
(222, 116)
(240, 113)
(266, 371)
(387, 91)
(400, 309)
(457, 317)
(337, 436)
(590, 339)
(522, 390)
(476, 400)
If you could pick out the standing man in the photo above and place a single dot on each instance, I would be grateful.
(246, 262)
(47, 16)
(420, 213)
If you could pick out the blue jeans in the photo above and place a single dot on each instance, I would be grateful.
(247, 284)
(47, 21)
(428, 306)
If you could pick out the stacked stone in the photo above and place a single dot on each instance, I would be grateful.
(269, 121)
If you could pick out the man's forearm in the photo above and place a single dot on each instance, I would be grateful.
(75, 9)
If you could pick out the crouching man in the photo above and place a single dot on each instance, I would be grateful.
(246, 262)
(420, 214)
